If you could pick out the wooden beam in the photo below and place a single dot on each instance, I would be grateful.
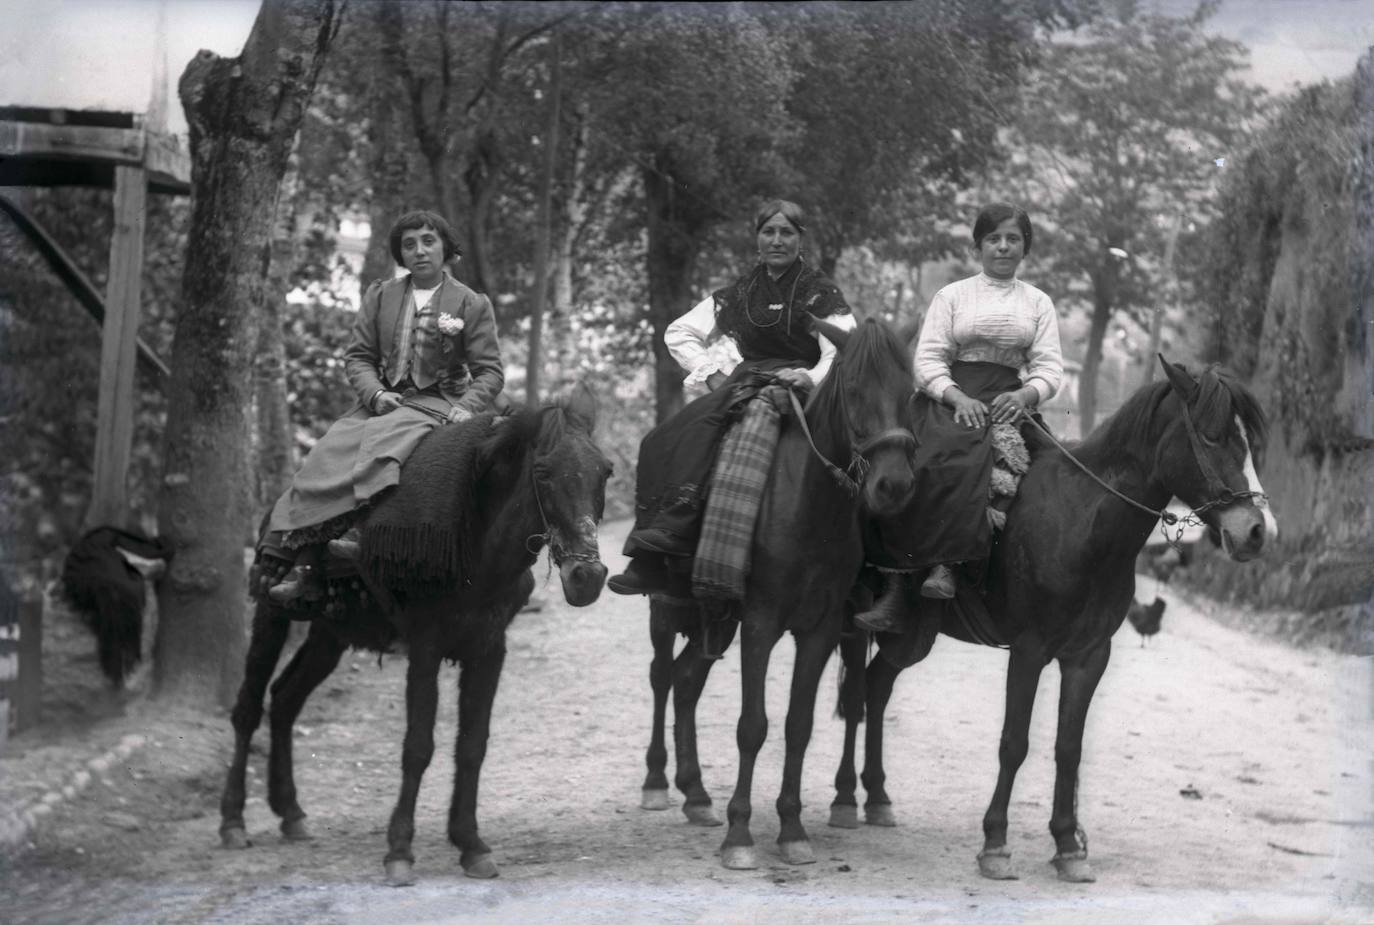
(115, 416)
(66, 270)
(71, 142)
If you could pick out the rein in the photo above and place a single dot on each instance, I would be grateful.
(858, 462)
(1166, 518)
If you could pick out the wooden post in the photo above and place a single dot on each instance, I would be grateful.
(28, 699)
(115, 420)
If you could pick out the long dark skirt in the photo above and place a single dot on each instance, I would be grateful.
(676, 459)
(947, 519)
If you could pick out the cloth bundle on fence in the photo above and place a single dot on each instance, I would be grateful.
(721, 565)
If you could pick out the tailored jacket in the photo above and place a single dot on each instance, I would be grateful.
(465, 366)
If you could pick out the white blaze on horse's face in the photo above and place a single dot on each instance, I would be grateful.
(1252, 482)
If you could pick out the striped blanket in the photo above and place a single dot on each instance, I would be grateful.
(735, 494)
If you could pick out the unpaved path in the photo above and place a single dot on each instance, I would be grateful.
(1271, 745)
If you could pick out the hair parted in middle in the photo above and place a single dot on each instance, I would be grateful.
(786, 208)
(995, 214)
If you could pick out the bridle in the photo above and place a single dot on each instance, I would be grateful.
(1168, 520)
(558, 551)
(851, 478)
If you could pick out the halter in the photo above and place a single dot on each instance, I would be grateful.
(859, 450)
(1167, 519)
(558, 553)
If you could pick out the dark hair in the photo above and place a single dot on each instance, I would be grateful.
(994, 215)
(413, 221)
(787, 209)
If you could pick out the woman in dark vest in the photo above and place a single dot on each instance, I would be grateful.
(763, 313)
(424, 352)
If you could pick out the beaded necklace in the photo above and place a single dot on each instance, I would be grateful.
(782, 308)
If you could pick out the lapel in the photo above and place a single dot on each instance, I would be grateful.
(389, 311)
(449, 299)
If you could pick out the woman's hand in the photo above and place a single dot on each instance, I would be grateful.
(967, 411)
(385, 402)
(797, 378)
(716, 380)
(1007, 407)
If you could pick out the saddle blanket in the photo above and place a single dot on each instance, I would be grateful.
(721, 565)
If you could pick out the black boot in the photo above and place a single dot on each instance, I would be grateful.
(646, 574)
(305, 581)
(939, 584)
(891, 609)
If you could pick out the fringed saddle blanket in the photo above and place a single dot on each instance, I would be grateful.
(733, 499)
(419, 538)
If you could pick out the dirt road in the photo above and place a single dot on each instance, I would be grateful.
(1225, 779)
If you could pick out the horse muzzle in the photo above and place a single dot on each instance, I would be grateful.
(890, 481)
(582, 580)
(1241, 531)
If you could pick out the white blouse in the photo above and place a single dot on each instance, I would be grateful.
(701, 348)
(986, 320)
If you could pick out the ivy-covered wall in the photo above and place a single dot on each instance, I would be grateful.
(1285, 278)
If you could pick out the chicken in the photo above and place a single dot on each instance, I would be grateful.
(1146, 617)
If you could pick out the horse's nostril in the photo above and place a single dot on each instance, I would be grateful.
(1257, 534)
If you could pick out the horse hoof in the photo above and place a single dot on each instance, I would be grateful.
(235, 838)
(653, 799)
(1074, 868)
(739, 857)
(702, 814)
(481, 867)
(844, 817)
(880, 814)
(295, 830)
(400, 873)
(797, 852)
(995, 864)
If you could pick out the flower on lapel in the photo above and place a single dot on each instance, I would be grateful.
(450, 324)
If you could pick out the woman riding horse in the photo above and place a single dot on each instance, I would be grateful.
(978, 336)
(424, 352)
(764, 313)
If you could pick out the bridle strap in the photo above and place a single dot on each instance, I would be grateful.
(842, 478)
(558, 553)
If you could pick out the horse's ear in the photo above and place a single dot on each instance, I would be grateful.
(580, 408)
(836, 335)
(1182, 381)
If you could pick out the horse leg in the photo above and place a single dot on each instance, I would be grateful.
(756, 647)
(844, 809)
(690, 671)
(314, 661)
(476, 692)
(270, 629)
(662, 634)
(422, 704)
(1023, 677)
(1078, 682)
(881, 676)
(813, 650)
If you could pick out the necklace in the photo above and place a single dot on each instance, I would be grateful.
(775, 311)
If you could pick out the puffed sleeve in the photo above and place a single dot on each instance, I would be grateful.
(1044, 357)
(689, 338)
(363, 356)
(935, 348)
(482, 355)
(818, 372)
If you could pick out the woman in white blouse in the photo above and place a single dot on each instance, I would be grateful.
(762, 319)
(988, 351)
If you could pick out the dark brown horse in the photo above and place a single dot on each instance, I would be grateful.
(1061, 579)
(536, 478)
(807, 551)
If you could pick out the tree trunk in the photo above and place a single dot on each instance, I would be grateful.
(675, 230)
(389, 155)
(273, 458)
(243, 115)
(544, 231)
(480, 176)
(1104, 292)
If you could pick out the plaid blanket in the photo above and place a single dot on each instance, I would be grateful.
(736, 492)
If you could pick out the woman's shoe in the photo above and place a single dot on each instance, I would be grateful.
(939, 584)
(644, 575)
(889, 610)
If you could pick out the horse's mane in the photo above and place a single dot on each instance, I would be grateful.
(1220, 396)
(872, 355)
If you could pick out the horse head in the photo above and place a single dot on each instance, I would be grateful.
(870, 388)
(570, 474)
(1208, 458)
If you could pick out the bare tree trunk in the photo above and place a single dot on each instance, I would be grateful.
(544, 231)
(675, 230)
(273, 460)
(389, 155)
(244, 115)
(1104, 293)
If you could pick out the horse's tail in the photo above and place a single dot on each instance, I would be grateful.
(117, 621)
